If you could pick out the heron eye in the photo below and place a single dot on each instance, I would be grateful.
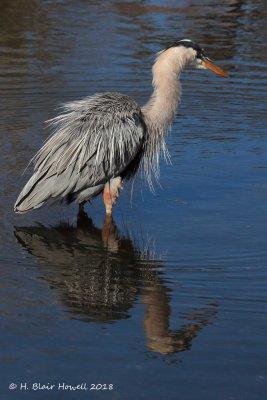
(203, 53)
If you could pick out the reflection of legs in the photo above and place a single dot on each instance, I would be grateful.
(111, 193)
(110, 235)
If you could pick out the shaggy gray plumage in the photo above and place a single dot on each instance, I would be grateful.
(94, 140)
(107, 135)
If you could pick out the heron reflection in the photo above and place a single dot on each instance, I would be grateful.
(100, 273)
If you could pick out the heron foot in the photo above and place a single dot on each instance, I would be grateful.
(111, 193)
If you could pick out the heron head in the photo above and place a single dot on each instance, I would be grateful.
(199, 60)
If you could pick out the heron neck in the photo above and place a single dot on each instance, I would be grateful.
(163, 103)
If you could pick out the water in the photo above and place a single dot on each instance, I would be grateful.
(169, 301)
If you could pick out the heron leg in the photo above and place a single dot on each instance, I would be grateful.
(111, 193)
(81, 216)
(81, 207)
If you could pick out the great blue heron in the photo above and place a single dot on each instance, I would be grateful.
(104, 138)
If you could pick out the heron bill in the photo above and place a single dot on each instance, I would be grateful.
(213, 67)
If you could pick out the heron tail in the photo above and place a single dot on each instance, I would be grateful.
(48, 187)
(35, 193)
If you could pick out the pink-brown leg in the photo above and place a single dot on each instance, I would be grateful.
(111, 193)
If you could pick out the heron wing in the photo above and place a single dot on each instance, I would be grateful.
(93, 140)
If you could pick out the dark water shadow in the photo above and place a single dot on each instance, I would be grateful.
(100, 274)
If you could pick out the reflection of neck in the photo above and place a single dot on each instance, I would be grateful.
(156, 323)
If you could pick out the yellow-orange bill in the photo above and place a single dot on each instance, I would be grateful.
(213, 67)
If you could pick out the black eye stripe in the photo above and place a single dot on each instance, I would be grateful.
(188, 44)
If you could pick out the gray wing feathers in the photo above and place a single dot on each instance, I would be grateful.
(94, 140)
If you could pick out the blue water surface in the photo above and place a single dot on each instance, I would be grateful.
(169, 300)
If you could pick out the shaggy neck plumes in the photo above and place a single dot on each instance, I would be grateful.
(162, 105)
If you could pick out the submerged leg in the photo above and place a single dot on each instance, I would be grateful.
(81, 207)
(111, 193)
(81, 216)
